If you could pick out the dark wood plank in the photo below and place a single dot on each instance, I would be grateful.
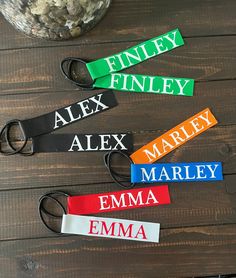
(199, 227)
(144, 111)
(183, 252)
(37, 70)
(149, 116)
(230, 186)
(194, 18)
(43, 170)
(193, 204)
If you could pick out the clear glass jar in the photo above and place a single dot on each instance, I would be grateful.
(54, 19)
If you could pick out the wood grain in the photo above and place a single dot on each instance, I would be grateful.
(144, 111)
(217, 143)
(182, 252)
(135, 19)
(37, 70)
(199, 226)
(192, 204)
(49, 169)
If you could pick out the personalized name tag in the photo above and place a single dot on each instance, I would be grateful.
(47, 123)
(110, 228)
(120, 200)
(149, 84)
(83, 142)
(135, 54)
(176, 172)
(64, 116)
(174, 137)
(103, 72)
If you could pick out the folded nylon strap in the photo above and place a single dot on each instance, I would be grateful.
(104, 71)
(64, 116)
(174, 138)
(82, 142)
(176, 172)
(160, 147)
(135, 54)
(102, 202)
(119, 200)
(149, 84)
(110, 228)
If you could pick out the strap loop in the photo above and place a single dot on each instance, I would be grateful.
(6, 133)
(67, 72)
(47, 123)
(20, 152)
(114, 175)
(52, 194)
(42, 210)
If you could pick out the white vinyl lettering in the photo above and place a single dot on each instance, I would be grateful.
(147, 177)
(58, 119)
(103, 202)
(177, 172)
(105, 142)
(159, 46)
(212, 170)
(164, 174)
(205, 117)
(118, 141)
(111, 63)
(114, 80)
(139, 84)
(99, 103)
(152, 197)
(181, 87)
(76, 143)
(154, 154)
(135, 201)
(172, 40)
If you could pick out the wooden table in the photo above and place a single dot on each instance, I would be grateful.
(198, 230)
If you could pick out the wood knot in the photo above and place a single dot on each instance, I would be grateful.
(224, 149)
(28, 265)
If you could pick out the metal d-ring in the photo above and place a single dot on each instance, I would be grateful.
(42, 210)
(5, 131)
(68, 72)
(114, 175)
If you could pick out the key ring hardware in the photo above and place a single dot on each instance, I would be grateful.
(42, 210)
(114, 175)
(68, 72)
(5, 131)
